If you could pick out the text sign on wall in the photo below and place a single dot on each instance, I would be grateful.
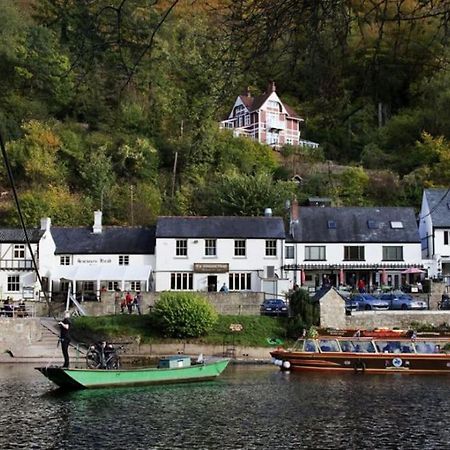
(94, 260)
(211, 267)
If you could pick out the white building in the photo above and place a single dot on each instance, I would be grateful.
(17, 274)
(340, 246)
(203, 253)
(91, 260)
(434, 230)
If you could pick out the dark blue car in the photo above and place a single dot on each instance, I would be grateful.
(274, 307)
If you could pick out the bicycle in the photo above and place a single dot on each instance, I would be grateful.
(102, 355)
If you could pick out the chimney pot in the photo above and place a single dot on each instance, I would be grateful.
(46, 223)
(97, 228)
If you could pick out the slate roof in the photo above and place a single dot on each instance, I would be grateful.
(112, 240)
(16, 235)
(439, 204)
(221, 227)
(255, 103)
(352, 225)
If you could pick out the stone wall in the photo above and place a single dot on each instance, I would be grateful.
(395, 319)
(18, 333)
(332, 310)
(225, 303)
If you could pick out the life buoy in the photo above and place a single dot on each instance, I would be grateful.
(359, 366)
(397, 362)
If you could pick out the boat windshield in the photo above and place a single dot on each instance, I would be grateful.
(357, 346)
(329, 345)
(428, 347)
(305, 345)
(395, 347)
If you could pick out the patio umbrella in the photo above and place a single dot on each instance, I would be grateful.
(341, 276)
(383, 277)
(412, 270)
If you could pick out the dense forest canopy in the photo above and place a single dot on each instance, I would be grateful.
(114, 105)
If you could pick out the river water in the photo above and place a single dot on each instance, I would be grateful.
(248, 407)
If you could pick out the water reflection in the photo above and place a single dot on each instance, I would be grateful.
(249, 407)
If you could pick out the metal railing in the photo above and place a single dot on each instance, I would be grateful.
(17, 264)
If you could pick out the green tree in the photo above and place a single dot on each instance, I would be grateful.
(184, 314)
(353, 184)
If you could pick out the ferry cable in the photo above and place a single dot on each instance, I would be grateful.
(22, 222)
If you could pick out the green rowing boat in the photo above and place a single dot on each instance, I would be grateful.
(164, 373)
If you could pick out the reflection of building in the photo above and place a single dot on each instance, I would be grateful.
(202, 253)
(17, 276)
(434, 229)
(266, 119)
(340, 246)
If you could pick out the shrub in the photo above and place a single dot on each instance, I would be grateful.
(304, 313)
(184, 314)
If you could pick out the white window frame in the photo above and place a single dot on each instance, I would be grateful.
(271, 247)
(124, 260)
(135, 286)
(112, 285)
(64, 260)
(210, 247)
(13, 283)
(240, 248)
(240, 281)
(359, 249)
(19, 251)
(181, 247)
(181, 281)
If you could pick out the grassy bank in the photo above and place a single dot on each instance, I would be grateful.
(257, 331)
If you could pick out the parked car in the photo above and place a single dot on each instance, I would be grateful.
(274, 307)
(368, 302)
(351, 305)
(399, 300)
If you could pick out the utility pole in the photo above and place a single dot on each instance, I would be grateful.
(131, 205)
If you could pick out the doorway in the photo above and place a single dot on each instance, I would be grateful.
(212, 283)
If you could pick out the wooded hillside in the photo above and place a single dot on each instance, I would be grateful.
(114, 104)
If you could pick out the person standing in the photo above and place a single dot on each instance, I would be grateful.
(129, 302)
(138, 302)
(64, 337)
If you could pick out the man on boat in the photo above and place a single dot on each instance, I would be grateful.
(64, 337)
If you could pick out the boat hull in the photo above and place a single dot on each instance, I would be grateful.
(99, 378)
(364, 363)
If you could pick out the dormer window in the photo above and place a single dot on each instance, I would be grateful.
(372, 224)
(396, 224)
(331, 224)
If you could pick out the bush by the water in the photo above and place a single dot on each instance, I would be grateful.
(304, 313)
(184, 314)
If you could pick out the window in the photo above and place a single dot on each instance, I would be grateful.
(113, 285)
(64, 286)
(135, 285)
(396, 224)
(315, 253)
(446, 237)
(19, 251)
(354, 253)
(393, 253)
(210, 247)
(331, 225)
(271, 247)
(289, 252)
(124, 260)
(181, 281)
(13, 283)
(247, 119)
(372, 224)
(181, 247)
(64, 260)
(88, 286)
(240, 281)
(239, 247)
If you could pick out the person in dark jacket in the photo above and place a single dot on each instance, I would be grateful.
(64, 337)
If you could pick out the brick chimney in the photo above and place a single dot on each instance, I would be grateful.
(294, 211)
(97, 228)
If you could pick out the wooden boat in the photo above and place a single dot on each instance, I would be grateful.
(374, 354)
(173, 369)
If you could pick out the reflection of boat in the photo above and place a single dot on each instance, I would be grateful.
(173, 369)
(367, 354)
